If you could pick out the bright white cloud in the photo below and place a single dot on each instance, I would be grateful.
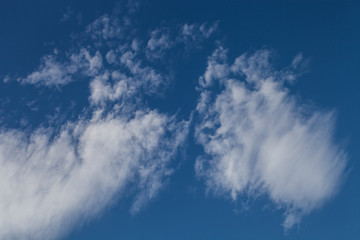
(258, 140)
(49, 182)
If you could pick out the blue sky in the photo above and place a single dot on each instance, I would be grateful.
(179, 120)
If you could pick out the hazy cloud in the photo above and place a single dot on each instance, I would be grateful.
(53, 72)
(259, 140)
(186, 36)
(67, 15)
(195, 33)
(49, 73)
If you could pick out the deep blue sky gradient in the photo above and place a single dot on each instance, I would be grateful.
(326, 32)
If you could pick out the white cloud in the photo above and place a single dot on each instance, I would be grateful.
(159, 42)
(52, 72)
(187, 36)
(297, 60)
(103, 91)
(115, 37)
(110, 29)
(105, 28)
(135, 77)
(51, 181)
(103, 34)
(197, 32)
(217, 68)
(6, 79)
(48, 183)
(259, 140)
(125, 55)
(134, 64)
(84, 62)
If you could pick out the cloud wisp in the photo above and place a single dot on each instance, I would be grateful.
(50, 181)
(259, 140)
(53, 72)
(112, 42)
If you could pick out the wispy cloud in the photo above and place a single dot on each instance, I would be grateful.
(53, 72)
(67, 15)
(53, 180)
(49, 73)
(159, 42)
(196, 33)
(189, 36)
(50, 181)
(259, 140)
(113, 39)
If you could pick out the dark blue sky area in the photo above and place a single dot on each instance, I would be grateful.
(325, 32)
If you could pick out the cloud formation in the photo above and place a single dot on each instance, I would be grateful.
(259, 140)
(53, 72)
(53, 180)
(50, 180)
(189, 36)
(111, 43)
